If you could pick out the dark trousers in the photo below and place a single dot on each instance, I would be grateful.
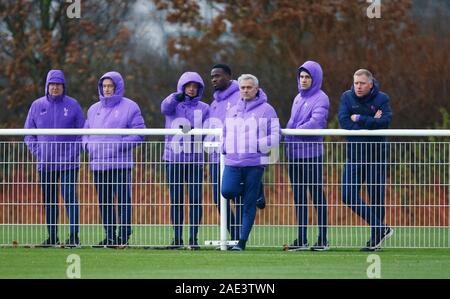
(306, 175)
(233, 219)
(231, 188)
(49, 185)
(110, 183)
(191, 174)
(373, 174)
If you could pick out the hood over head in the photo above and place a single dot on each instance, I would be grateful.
(55, 76)
(118, 88)
(188, 77)
(315, 71)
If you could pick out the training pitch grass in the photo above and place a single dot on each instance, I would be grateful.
(208, 263)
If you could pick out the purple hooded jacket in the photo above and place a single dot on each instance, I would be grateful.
(113, 151)
(309, 111)
(55, 153)
(251, 130)
(189, 112)
(224, 100)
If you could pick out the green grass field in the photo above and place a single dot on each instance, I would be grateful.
(261, 236)
(263, 258)
(269, 263)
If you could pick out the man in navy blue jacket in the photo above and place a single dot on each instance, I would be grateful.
(366, 107)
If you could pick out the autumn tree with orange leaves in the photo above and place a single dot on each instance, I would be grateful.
(271, 38)
(36, 36)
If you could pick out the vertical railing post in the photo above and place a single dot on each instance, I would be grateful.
(223, 203)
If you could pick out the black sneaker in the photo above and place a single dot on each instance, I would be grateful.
(240, 246)
(106, 243)
(193, 245)
(375, 244)
(50, 242)
(72, 242)
(176, 244)
(296, 246)
(387, 233)
(121, 243)
(302, 247)
(370, 248)
(261, 201)
(320, 246)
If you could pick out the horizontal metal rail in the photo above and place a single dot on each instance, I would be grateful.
(292, 132)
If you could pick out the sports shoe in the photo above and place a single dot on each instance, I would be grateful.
(121, 243)
(321, 246)
(261, 201)
(106, 243)
(50, 242)
(303, 247)
(375, 245)
(72, 242)
(193, 245)
(176, 244)
(240, 246)
(387, 233)
(368, 248)
(296, 246)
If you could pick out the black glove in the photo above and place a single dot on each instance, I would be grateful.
(179, 97)
(185, 128)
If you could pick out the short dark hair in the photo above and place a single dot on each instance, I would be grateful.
(224, 67)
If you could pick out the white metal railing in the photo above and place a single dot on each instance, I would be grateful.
(417, 188)
(159, 132)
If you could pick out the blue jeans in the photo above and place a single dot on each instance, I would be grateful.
(191, 174)
(233, 222)
(306, 174)
(372, 172)
(49, 185)
(231, 188)
(110, 183)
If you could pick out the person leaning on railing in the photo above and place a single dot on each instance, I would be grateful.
(58, 156)
(250, 132)
(226, 95)
(309, 111)
(364, 106)
(111, 156)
